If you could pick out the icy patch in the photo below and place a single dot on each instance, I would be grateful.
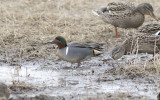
(51, 78)
(28, 73)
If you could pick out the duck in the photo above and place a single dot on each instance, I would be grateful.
(117, 52)
(124, 14)
(150, 28)
(137, 44)
(75, 52)
(4, 91)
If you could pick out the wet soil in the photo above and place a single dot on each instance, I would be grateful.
(97, 78)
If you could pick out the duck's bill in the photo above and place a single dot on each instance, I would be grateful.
(153, 16)
(52, 42)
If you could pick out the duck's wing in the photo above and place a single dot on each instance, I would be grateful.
(91, 45)
(150, 28)
(114, 8)
(120, 6)
(114, 13)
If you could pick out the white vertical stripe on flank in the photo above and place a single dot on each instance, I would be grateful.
(67, 50)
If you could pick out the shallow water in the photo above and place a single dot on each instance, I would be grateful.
(58, 78)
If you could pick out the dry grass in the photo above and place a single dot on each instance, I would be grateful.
(137, 69)
(27, 24)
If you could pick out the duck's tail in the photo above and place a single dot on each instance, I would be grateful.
(95, 12)
(96, 52)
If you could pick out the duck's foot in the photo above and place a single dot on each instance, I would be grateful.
(74, 67)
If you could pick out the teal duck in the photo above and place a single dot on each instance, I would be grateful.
(74, 52)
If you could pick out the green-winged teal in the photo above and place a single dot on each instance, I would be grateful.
(4, 92)
(124, 14)
(138, 44)
(74, 52)
(150, 29)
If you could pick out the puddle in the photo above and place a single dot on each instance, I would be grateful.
(51, 78)
(29, 74)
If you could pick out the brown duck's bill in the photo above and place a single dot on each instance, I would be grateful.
(153, 16)
(52, 42)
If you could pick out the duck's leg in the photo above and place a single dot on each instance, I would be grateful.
(78, 64)
(117, 36)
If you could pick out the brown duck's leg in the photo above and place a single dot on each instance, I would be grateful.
(117, 36)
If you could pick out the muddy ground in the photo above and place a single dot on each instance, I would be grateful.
(99, 78)
(32, 70)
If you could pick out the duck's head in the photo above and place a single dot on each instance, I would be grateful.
(60, 41)
(118, 52)
(146, 9)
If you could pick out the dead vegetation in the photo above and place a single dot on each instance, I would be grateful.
(145, 69)
(116, 96)
(26, 25)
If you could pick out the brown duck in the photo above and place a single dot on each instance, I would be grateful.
(138, 44)
(124, 14)
(4, 91)
(151, 28)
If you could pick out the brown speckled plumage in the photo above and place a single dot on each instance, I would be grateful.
(4, 91)
(138, 44)
(124, 14)
(150, 28)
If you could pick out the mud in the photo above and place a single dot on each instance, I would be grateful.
(100, 75)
